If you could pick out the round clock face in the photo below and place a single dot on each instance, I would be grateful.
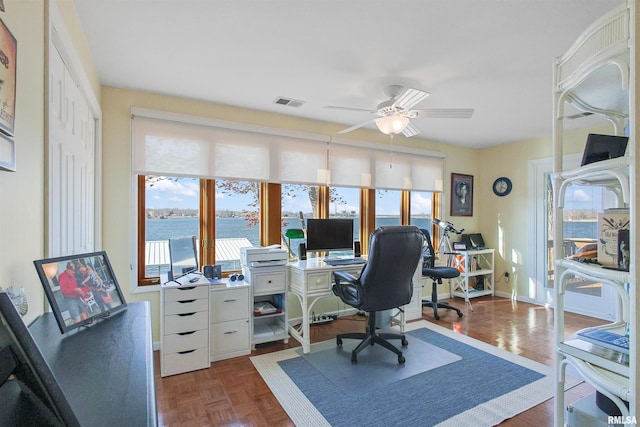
(502, 186)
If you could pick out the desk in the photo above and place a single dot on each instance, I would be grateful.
(105, 370)
(312, 279)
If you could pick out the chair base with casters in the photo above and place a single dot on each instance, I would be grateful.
(436, 274)
(371, 337)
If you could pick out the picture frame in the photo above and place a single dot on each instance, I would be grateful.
(8, 73)
(81, 289)
(7, 153)
(461, 195)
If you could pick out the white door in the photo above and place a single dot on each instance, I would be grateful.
(71, 164)
(582, 203)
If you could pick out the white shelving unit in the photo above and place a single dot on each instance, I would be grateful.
(474, 266)
(269, 285)
(595, 76)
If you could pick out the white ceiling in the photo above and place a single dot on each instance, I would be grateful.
(491, 55)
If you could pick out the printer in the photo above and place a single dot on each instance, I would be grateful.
(263, 257)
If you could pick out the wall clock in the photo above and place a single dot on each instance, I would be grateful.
(502, 186)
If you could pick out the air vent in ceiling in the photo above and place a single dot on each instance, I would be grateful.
(288, 102)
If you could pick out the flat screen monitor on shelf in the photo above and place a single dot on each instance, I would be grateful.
(329, 234)
(80, 288)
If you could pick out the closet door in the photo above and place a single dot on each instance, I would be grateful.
(71, 164)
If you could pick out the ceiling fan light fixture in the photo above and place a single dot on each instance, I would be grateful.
(392, 125)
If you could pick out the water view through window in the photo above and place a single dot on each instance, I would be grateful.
(172, 211)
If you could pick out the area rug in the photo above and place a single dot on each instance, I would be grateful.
(471, 383)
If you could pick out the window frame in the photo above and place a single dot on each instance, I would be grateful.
(270, 219)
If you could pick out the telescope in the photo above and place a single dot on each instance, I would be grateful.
(447, 226)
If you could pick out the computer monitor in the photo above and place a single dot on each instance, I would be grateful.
(183, 255)
(603, 147)
(329, 234)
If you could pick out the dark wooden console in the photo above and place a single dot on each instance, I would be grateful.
(105, 370)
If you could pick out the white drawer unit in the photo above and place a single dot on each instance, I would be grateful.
(230, 322)
(184, 324)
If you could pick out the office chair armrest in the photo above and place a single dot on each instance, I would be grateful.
(343, 275)
(347, 287)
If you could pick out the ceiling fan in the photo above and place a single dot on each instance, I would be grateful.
(394, 114)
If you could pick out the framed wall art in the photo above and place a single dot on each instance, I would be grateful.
(7, 153)
(461, 195)
(8, 56)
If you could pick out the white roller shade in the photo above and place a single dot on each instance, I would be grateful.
(191, 146)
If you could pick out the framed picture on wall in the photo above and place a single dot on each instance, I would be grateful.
(8, 56)
(461, 195)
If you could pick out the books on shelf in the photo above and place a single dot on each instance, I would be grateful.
(610, 223)
(606, 339)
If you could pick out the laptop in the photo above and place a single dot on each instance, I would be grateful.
(473, 241)
(603, 147)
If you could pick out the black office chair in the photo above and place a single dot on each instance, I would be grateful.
(436, 274)
(384, 283)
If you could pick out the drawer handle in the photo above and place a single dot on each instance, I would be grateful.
(186, 333)
(186, 289)
(187, 314)
(186, 352)
(231, 300)
(188, 301)
(231, 332)
(269, 281)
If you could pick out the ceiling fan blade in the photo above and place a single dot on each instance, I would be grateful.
(334, 107)
(409, 98)
(410, 130)
(442, 113)
(356, 126)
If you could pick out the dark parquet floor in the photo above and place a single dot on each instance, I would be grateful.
(232, 393)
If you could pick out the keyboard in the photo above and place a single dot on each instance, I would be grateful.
(344, 261)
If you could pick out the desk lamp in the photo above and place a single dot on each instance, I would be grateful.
(293, 233)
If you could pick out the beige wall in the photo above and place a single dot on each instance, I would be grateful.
(21, 192)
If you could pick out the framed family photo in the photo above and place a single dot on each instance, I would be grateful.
(461, 195)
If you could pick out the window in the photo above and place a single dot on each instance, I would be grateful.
(171, 210)
(237, 221)
(388, 204)
(297, 202)
(421, 209)
(226, 214)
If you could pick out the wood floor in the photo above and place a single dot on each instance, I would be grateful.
(232, 393)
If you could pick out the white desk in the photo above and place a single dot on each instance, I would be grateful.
(312, 279)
